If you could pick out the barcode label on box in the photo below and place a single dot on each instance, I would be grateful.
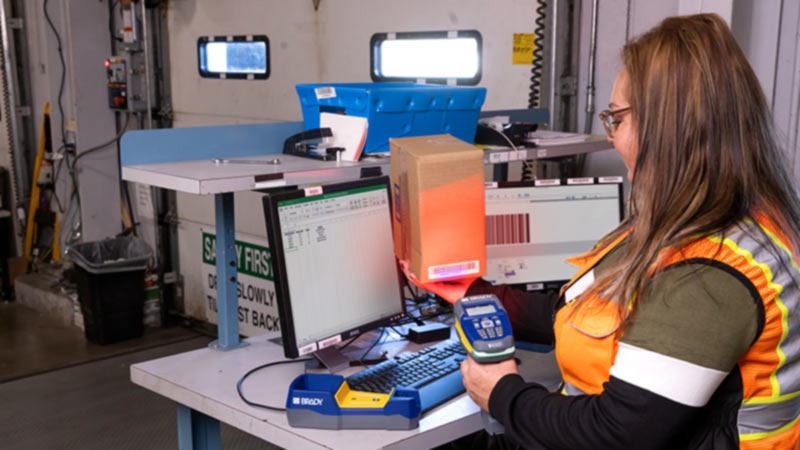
(507, 229)
(453, 270)
(325, 92)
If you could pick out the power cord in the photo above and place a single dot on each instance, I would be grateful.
(362, 361)
(63, 72)
(534, 98)
(528, 167)
(68, 149)
(404, 336)
(264, 366)
(104, 144)
(59, 102)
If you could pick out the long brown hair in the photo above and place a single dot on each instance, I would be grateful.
(708, 152)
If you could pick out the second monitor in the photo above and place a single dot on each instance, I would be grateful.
(531, 229)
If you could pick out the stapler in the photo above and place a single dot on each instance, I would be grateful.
(306, 144)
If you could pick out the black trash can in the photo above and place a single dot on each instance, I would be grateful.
(110, 279)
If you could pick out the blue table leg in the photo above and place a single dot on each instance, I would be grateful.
(197, 431)
(227, 301)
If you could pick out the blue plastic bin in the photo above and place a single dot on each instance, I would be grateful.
(396, 109)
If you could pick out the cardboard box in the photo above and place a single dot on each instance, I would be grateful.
(438, 211)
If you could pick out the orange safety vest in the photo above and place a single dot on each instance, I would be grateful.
(587, 342)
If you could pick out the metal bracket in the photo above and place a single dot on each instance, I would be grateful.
(23, 110)
(568, 86)
(170, 218)
(15, 23)
(170, 277)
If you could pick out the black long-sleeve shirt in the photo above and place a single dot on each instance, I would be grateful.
(697, 319)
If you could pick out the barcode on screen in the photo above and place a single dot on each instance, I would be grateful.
(504, 229)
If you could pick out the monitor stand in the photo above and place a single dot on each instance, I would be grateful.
(333, 359)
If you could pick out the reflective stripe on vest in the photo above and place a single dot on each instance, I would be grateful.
(770, 411)
(570, 389)
(784, 296)
(758, 420)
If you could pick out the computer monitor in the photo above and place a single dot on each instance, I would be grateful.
(532, 227)
(333, 258)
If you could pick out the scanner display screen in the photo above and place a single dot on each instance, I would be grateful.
(480, 310)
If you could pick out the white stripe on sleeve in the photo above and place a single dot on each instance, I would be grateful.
(669, 377)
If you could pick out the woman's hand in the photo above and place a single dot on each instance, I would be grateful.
(480, 379)
(450, 290)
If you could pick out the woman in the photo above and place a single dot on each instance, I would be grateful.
(680, 329)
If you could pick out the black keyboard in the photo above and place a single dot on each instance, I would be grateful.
(433, 371)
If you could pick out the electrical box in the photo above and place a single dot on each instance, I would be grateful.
(125, 77)
(130, 26)
(117, 73)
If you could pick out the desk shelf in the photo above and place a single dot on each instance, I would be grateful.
(207, 177)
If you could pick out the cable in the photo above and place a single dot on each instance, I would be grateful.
(534, 98)
(105, 144)
(361, 360)
(60, 106)
(244, 377)
(55, 197)
(350, 341)
(514, 147)
(416, 298)
(404, 336)
(63, 73)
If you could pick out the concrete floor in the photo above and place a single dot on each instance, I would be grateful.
(59, 391)
(33, 342)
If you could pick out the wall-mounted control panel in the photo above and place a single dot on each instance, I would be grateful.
(117, 74)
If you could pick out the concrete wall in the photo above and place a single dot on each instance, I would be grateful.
(83, 30)
(757, 26)
(307, 46)
(331, 45)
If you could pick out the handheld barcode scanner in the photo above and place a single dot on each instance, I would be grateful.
(485, 332)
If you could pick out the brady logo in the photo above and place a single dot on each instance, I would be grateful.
(306, 401)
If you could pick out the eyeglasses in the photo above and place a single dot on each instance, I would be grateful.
(610, 121)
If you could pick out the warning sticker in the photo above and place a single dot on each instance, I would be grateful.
(255, 288)
(523, 49)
